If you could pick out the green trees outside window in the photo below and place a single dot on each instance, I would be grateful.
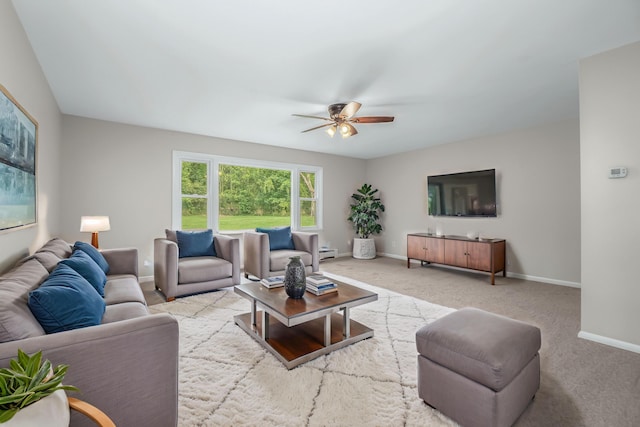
(248, 197)
(194, 195)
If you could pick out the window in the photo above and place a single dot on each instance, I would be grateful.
(194, 197)
(231, 194)
(308, 201)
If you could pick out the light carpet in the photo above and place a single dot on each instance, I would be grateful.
(227, 379)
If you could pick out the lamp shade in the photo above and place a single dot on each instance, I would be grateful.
(93, 224)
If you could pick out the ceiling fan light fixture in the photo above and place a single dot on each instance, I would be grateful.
(341, 117)
(347, 130)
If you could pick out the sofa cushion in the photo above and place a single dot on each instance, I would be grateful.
(278, 260)
(123, 289)
(58, 247)
(84, 265)
(49, 260)
(202, 269)
(279, 238)
(16, 320)
(66, 301)
(195, 243)
(124, 311)
(94, 254)
(485, 347)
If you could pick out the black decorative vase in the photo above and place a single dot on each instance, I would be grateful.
(295, 278)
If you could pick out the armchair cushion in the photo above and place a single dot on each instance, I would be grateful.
(279, 238)
(203, 269)
(195, 243)
(171, 235)
(94, 254)
(66, 301)
(84, 265)
(278, 260)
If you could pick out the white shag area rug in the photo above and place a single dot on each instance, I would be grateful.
(227, 379)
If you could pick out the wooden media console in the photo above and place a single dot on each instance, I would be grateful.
(483, 255)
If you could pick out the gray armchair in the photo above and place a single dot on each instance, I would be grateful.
(261, 262)
(176, 277)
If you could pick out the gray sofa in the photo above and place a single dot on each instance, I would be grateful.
(127, 366)
(177, 277)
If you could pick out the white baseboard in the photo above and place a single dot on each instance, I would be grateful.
(145, 279)
(544, 280)
(609, 341)
(394, 256)
(509, 274)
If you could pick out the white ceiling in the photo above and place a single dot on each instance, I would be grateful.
(446, 69)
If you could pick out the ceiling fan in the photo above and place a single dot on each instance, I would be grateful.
(341, 119)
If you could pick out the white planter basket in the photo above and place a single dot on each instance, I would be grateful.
(364, 248)
(52, 411)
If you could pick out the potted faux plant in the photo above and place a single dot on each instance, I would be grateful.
(364, 216)
(31, 392)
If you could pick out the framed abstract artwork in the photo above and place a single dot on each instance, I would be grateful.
(18, 143)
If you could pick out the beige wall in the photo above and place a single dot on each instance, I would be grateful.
(610, 137)
(125, 172)
(21, 75)
(538, 184)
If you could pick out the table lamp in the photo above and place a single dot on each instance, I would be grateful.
(94, 224)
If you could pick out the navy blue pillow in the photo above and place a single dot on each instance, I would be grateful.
(195, 243)
(84, 265)
(279, 238)
(94, 254)
(66, 301)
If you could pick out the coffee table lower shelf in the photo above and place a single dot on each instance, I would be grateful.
(299, 344)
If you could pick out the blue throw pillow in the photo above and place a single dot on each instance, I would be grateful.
(84, 265)
(195, 243)
(66, 301)
(94, 254)
(279, 238)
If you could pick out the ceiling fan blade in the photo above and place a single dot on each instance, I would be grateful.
(312, 117)
(372, 119)
(350, 109)
(318, 127)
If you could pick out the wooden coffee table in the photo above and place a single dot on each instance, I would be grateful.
(299, 330)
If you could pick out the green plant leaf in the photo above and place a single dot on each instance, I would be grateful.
(28, 380)
(15, 397)
(7, 414)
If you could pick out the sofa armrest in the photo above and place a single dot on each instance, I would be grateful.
(127, 369)
(307, 242)
(228, 248)
(165, 267)
(256, 254)
(122, 260)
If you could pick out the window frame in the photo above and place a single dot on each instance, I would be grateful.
(213, 162)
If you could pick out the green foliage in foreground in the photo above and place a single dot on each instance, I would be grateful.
(243, 222)
(27, 380)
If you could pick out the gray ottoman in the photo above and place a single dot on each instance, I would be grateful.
(478, 368)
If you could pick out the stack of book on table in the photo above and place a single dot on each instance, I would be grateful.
(273, 282)
(318, 284)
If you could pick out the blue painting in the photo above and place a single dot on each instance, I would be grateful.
(18, 141)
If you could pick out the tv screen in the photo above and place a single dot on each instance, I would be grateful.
(463, 194)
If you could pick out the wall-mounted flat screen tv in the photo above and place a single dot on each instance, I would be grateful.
(468, 194)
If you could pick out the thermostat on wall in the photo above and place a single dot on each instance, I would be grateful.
(618, 172)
